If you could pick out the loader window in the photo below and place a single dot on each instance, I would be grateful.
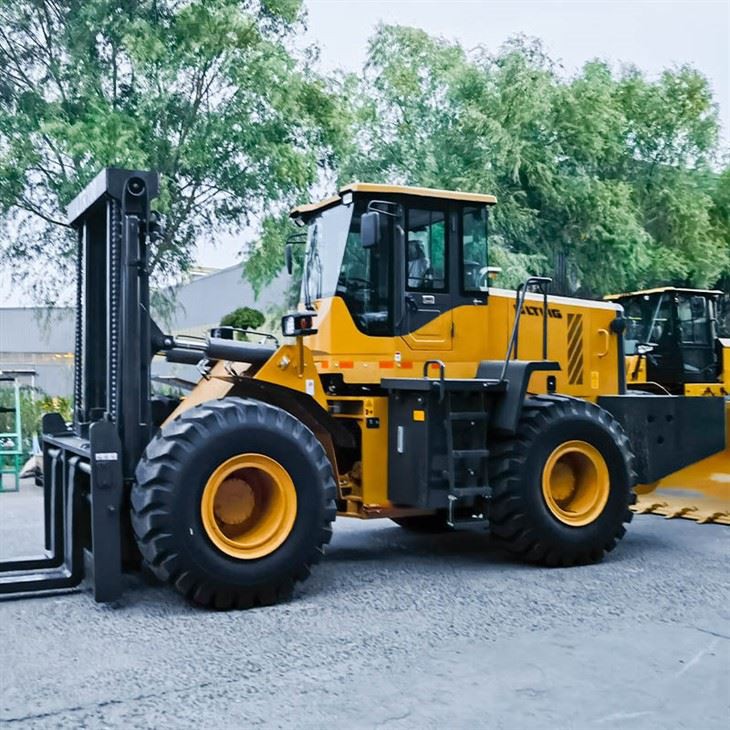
(364, 279)
(326, 238)
(660, 329)
(694, 320)
(426, 250)
(474, 249)
(648, 321)
(637, 314)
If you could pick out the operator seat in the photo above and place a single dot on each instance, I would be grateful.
(418, 264)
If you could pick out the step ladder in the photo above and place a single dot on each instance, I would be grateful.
(467, 456)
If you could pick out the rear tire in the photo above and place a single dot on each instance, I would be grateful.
(552, 527)
(174, 513)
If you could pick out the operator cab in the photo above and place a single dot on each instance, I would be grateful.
(399, 257)
(675, 329)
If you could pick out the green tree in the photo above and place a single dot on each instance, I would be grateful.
(718, 188)
(605, 181)
(245, 318)
(33, 404)
(208, 92)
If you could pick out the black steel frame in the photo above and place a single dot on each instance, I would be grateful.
(89, 465)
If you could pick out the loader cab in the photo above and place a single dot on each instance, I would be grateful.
(675, 330)
(400, 258)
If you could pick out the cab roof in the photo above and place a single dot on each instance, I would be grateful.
(662, 290)
(360, 187)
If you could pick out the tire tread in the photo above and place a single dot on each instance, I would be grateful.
(509, 519)
(153, 494)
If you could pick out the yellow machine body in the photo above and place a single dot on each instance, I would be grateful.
(578, 335)
(581, 338)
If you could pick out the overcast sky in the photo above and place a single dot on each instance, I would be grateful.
(652, 35)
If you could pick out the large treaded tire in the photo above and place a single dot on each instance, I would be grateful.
(519, 516)
(166, 499)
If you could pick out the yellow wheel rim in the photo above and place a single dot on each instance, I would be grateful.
(249, 505)
(575, 483)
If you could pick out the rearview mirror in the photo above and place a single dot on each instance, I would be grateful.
(370, 229)
(288, 259)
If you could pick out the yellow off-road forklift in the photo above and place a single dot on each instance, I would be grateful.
(672, 346)
(406, 388)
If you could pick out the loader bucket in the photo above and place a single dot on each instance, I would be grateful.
(699, 492)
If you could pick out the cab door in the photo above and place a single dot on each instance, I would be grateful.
(700, 363)
(427, 307)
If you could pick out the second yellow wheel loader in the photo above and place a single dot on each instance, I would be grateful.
(406, 388)
(672, 346)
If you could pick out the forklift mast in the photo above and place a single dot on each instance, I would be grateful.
(112, 220)
(89, 463)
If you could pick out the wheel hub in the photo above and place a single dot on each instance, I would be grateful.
(575, 483)
(248, 506)
(234, 502)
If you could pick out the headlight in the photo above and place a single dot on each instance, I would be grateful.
(298, 324)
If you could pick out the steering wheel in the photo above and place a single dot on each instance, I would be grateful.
(647, 350)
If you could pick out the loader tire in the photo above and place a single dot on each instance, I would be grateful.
(562, 487)
(233, 503)
(424, 524)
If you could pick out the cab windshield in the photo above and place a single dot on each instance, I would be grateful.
(326, 238)
(336, 264)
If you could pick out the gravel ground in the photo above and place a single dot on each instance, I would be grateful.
(393, 630)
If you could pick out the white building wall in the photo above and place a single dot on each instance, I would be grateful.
(43, 339)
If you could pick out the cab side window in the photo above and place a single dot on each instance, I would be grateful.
(426, 250)
(364, 280)
(694, 321)
(635, 317)
(474, 249)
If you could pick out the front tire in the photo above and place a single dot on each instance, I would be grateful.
(233, 503)
(562, 487)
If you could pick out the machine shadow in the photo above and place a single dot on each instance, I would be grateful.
(393, 547)
(394, 544)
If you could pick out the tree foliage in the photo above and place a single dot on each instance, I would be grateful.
(245, 318)
(605, 181)
(34, 403)
(208, 92)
